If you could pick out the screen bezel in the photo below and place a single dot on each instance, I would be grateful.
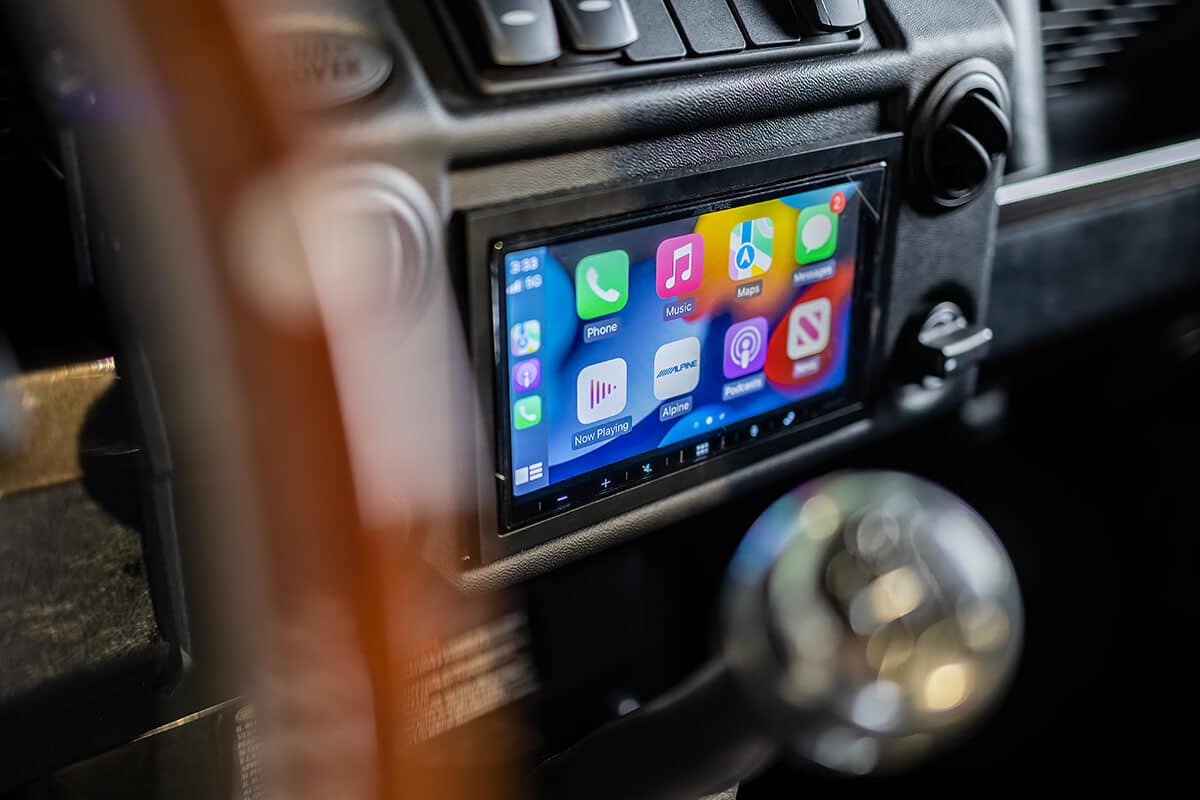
(488, 234)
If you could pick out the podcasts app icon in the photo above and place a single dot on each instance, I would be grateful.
(745, 347)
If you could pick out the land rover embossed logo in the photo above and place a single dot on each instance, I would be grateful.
(329, 68)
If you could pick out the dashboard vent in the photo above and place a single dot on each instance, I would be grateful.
(959, 130)
(1082, 38)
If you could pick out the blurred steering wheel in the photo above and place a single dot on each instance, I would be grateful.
(195, 158)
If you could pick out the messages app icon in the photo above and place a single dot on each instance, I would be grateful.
(816, 234)
(602, 284)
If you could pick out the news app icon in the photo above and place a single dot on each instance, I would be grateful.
(601, 390)
(808, 328)
(745, 347)
(680, 266)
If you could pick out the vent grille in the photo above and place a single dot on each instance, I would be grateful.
(1082, 38)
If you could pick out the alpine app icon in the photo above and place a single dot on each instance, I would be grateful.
(677, 368)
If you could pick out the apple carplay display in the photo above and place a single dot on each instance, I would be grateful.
(637, 352)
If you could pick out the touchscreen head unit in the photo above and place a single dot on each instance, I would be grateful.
(639, 350)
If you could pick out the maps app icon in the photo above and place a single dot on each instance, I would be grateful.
(751, 246)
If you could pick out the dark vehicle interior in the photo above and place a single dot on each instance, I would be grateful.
(595, 398)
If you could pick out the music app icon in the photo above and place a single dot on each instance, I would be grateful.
(680, 266)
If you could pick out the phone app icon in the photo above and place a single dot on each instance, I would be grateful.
(679, 266)
(751, 247)
(525, 338)
(746, 347)
(677, 368)
(527, 412)
(808, 328)
(527, 375)
(816, 234)
(601, 390)
(602, 284)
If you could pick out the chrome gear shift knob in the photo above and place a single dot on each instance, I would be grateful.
(870, 618)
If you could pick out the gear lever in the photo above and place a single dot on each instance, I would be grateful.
(867, 620)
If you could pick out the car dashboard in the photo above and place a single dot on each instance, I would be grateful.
(600, 283)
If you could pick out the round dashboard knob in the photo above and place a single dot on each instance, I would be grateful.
(871, 618)
(369, 233)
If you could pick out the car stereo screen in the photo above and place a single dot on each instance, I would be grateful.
(627, 354)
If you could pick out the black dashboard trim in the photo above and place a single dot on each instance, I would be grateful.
(1149, 172)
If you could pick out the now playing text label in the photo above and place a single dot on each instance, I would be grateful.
(601, 433)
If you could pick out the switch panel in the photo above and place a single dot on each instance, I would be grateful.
(523, 46)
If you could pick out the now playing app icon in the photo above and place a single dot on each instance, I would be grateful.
(601, 390)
